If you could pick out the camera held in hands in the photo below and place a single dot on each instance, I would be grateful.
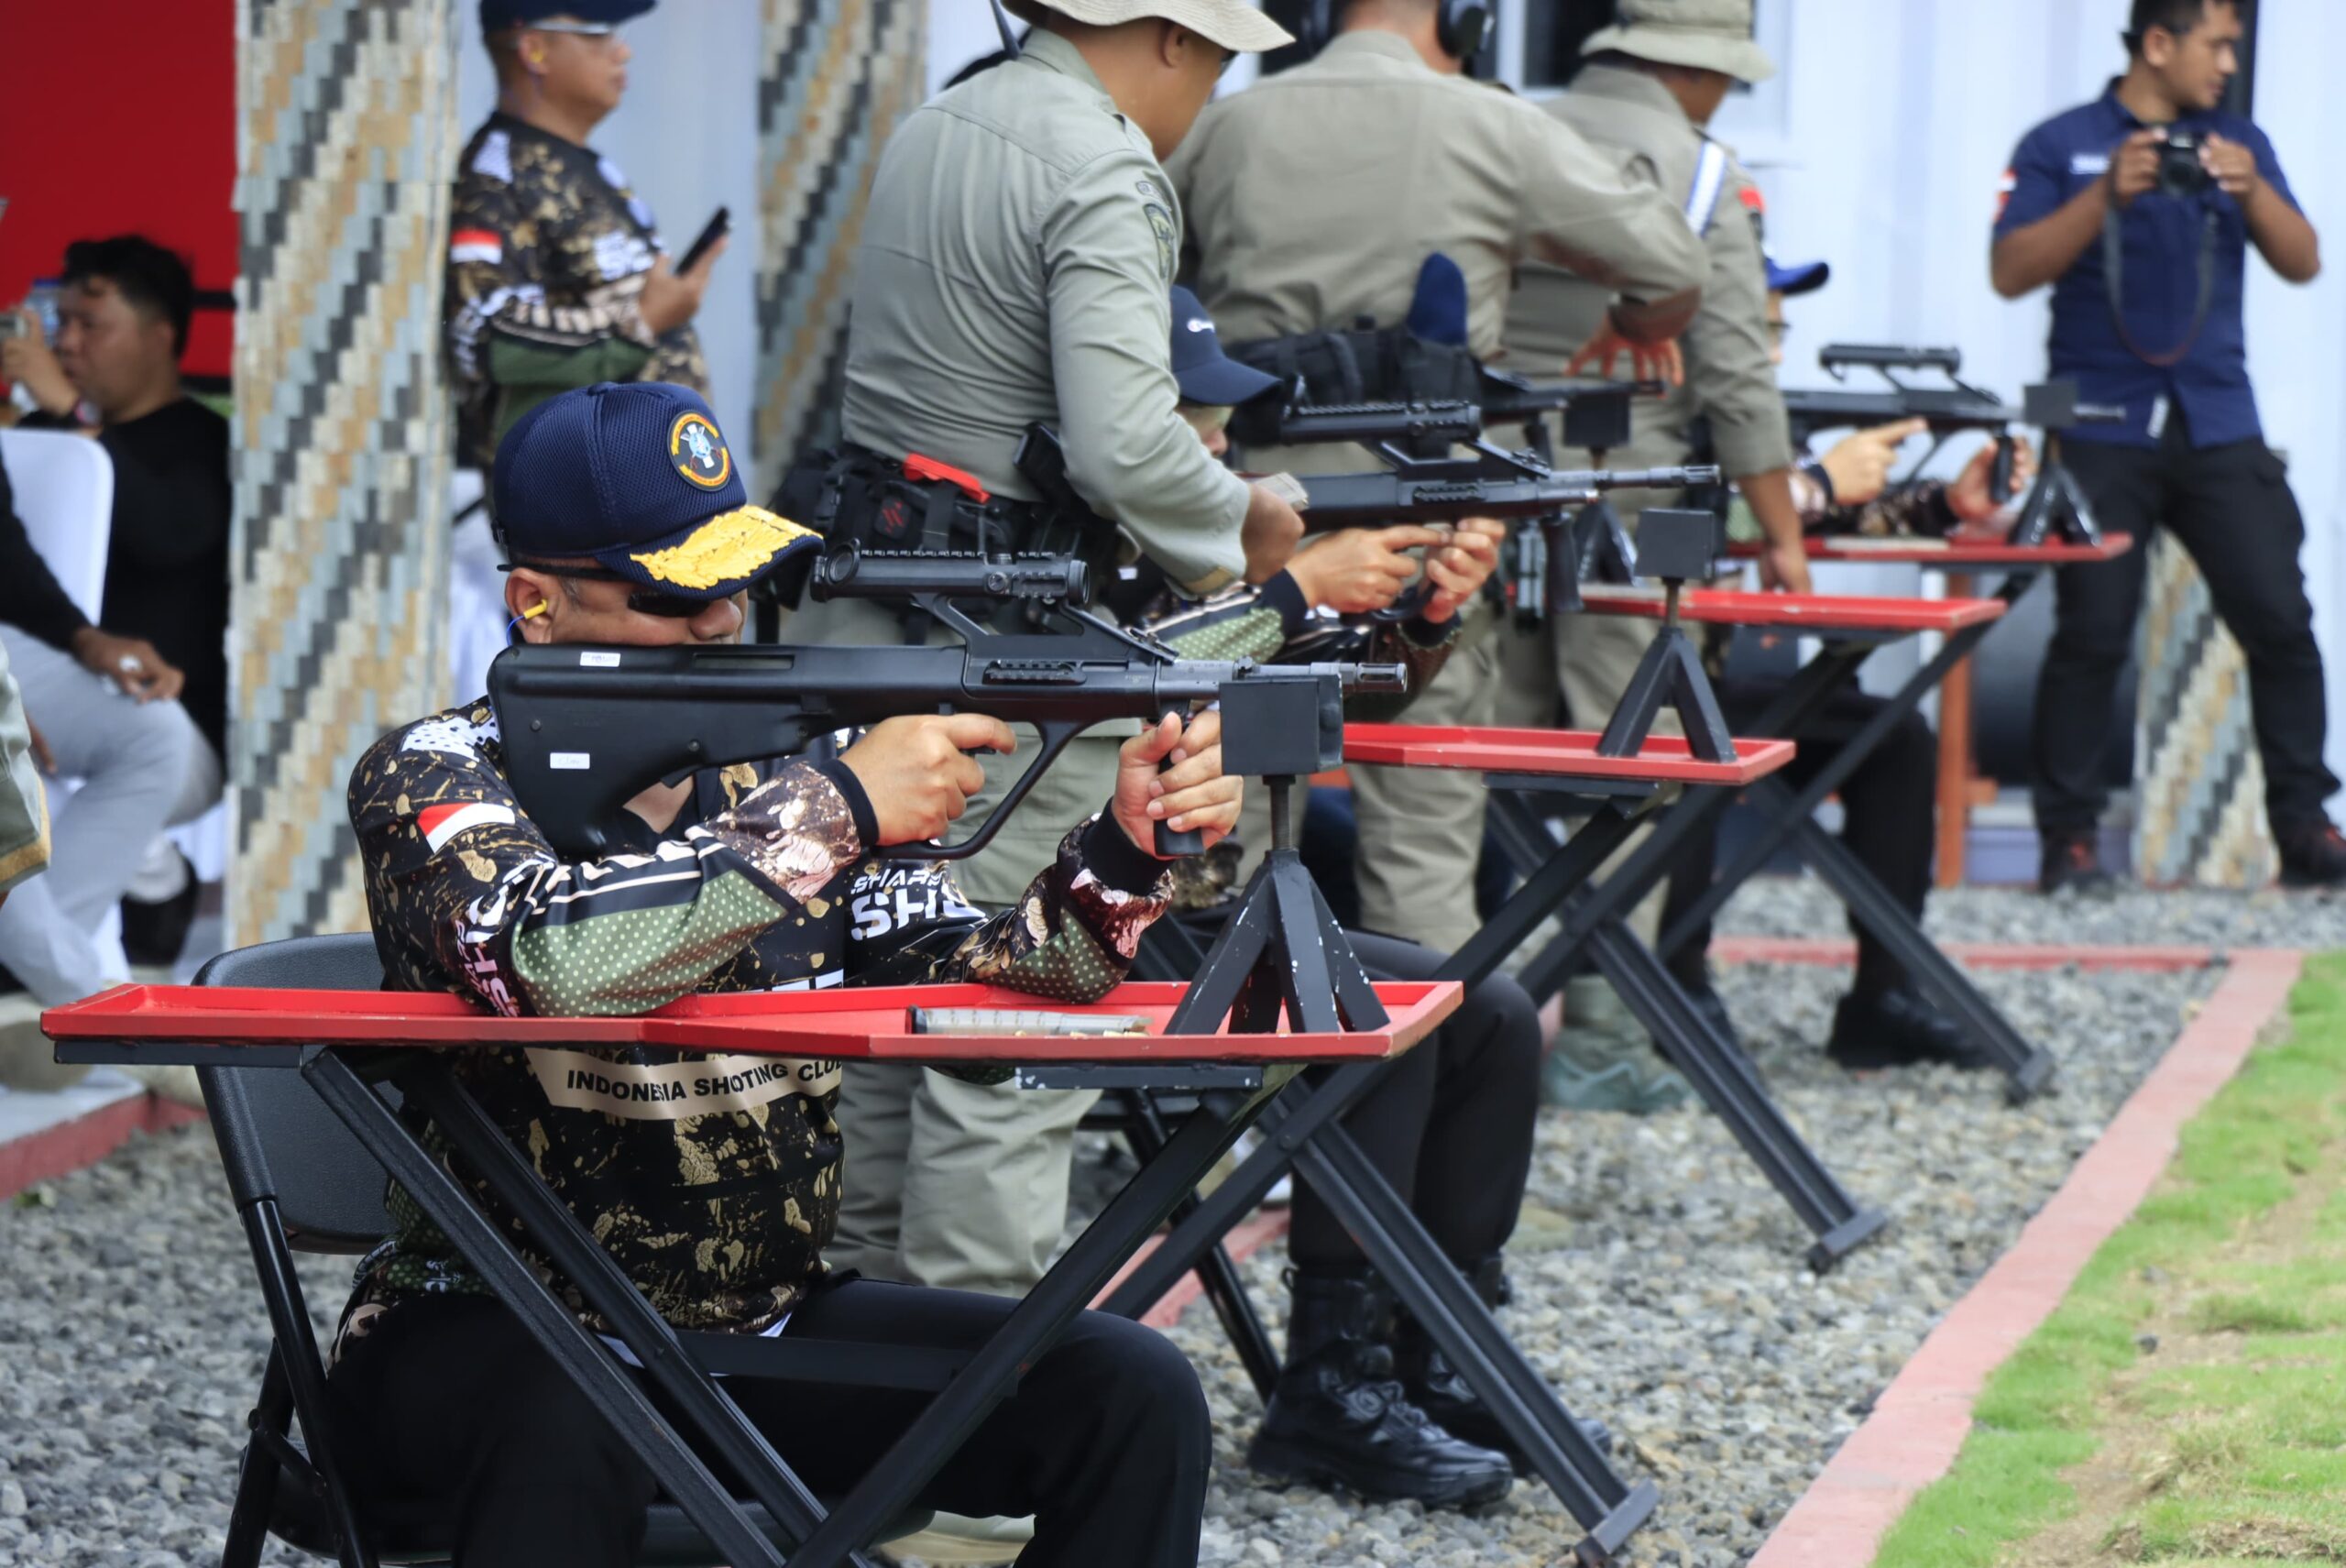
(2180, 171)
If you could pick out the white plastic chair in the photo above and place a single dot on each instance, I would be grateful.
(64, 487)
(64, 490)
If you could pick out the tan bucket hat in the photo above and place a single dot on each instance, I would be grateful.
(1709, 35)
(1233, 24)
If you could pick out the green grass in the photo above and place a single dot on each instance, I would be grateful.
(2256, 1468)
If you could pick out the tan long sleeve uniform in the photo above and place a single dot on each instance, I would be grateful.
(1312, 200)
(1013, 267)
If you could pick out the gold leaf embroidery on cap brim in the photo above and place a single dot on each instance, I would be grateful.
(729, 546)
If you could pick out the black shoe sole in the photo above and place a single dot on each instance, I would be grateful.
(1874, 1061)
(1282, 1461)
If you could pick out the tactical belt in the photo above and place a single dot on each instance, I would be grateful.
(856, 497)
(860, 498)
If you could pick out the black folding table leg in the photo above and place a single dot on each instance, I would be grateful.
(1729, 1085)
(614, 1394)
(2027, 1069)
(1302, 1110)
(1437, 1294)
(1216, 1271)
(1071, 1283)
(1566, 867)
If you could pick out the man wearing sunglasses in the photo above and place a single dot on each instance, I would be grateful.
(712, 1183)
(557, 275)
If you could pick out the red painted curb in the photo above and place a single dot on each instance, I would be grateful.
(1836, 951)
(1919, 1421)
(69, 1145)
(1244, 1241)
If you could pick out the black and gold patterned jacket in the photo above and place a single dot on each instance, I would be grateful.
(712, 1181)
(548, 247)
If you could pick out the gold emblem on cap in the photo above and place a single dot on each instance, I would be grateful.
(727, 548)
(698, 451)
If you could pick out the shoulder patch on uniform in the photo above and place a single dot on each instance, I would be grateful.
(1149, 190)
(494, 158)
(1160, 223)
(443, 820)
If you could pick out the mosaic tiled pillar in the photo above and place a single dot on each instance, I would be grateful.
(346, 139)
(2198, 784)
(839, 75)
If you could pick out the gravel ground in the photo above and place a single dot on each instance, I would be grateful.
(1802, 906)
(1658, 1283)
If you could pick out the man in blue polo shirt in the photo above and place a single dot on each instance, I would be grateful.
(2138, 208)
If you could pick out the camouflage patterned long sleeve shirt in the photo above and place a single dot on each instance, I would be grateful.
(712, 1181)
(548, 248)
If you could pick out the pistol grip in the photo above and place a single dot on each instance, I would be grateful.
(1174, 846)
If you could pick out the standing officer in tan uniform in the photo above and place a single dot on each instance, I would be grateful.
(1312, 200)
(1014, 268)
(1652, 81)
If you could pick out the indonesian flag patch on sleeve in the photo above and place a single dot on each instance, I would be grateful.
(476, 244)
(440, 823)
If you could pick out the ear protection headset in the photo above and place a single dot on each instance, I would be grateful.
(1461, 27)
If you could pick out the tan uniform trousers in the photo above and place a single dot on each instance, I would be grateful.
(964, 1186)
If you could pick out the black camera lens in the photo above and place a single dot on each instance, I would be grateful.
(2180, 171)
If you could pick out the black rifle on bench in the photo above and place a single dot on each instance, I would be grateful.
(2055, 501)
(586, 729)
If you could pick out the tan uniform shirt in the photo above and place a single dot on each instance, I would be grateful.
(1729, 376)
(1013, 267)
(1313, 198)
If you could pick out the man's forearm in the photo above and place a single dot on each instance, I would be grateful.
(2032, 255)
(1769, 496)
(2283, 236)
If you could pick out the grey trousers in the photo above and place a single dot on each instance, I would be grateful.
(143, 767)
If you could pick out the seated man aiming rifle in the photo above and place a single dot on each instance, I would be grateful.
(624, 522)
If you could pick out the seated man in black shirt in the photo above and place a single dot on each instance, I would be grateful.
(101, 698)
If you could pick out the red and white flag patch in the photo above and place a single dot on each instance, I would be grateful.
(476, 244)
(440, 823)
(2004, 192)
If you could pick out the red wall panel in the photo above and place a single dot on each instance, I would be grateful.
(120, 116)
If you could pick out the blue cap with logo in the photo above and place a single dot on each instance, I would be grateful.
(637, 477)
(1207, 375)
(497, 16)
(1799, 278)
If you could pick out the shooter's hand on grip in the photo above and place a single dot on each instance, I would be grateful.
(1355, 570)
(917, 773)
(1191, 795)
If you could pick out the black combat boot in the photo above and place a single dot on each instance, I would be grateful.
(1338, 1415)
(1435, 1386)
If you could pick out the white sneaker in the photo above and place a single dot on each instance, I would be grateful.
(957, 1539)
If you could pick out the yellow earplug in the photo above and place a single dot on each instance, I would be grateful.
(534, 612)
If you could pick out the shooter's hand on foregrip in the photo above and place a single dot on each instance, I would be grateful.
(1172, 797)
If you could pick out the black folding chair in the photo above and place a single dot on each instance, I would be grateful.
(303, 1182)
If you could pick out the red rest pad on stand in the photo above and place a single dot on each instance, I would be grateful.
(1556, 754)
(1955, 555)
(1795, 612)
(849, 1023)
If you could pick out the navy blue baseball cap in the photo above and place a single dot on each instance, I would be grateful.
(497, 16)
(1800, 278)
(1207, 375)
(636, 476)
